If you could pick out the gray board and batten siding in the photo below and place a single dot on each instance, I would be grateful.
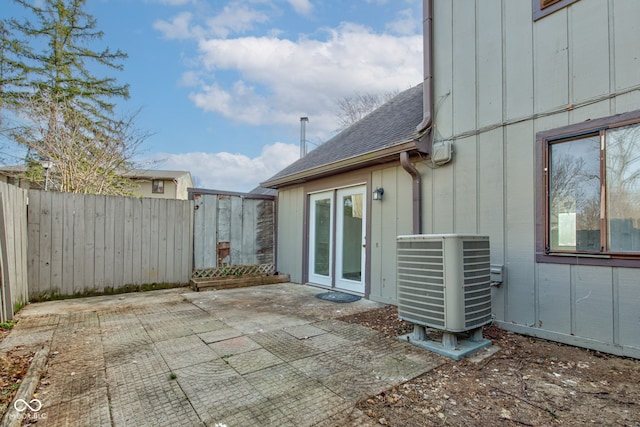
(500, 78)
(232, 229)
(85, 243)
(13, 249)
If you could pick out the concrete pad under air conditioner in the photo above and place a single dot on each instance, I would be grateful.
(450, 344)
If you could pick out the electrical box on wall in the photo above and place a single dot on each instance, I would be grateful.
(441, 152)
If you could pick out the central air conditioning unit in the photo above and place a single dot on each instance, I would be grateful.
(444, 282)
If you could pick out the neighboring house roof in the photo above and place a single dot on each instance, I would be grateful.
(152, 174)
(385, 131)
(14, 170)
(263, 191)
(134, 174)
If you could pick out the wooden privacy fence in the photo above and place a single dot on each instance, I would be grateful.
(85, 243)
(232, 229)
(13, 249)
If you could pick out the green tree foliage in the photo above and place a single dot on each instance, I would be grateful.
(62, 108)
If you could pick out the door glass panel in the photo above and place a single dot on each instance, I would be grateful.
(352, 212)
(322, 237)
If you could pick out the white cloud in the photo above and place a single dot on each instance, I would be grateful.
(172, 2)
(234, 18)
(266, 78)
(229, 171)
(178, 28)
(189, 79)
(303, 7)
(406, 23)
(279, 80)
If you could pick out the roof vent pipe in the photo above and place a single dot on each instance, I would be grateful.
(303, 137)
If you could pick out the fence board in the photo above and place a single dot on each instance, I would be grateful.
(97, 242)
(183, 244)
(118, 240)
(89, 238)
(33, 237)
(109, 243)
(14, 259)
(235, 231)
(78, 243)
(223, 224)
(145, 239)
(127, 275)
(162, 238)
(67, 247)
(5, 279)
(57, 211)
(137, 242)
(265, 232)
(99, 235)
(170, 242)
(210, 229)
(155, 241)
(248, 248)
(45, 256)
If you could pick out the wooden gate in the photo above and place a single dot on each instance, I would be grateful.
(232, 229)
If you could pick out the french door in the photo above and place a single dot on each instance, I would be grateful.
(340, 240)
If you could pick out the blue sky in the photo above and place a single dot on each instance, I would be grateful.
(222, 84)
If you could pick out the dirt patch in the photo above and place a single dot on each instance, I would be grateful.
(528, 382)
(13, 367)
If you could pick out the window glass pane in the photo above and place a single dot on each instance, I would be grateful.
(352, 237)
(574, 195)
(322, 237)
(157, 186)
(623, 188)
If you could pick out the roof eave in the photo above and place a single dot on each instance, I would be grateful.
(371, 158)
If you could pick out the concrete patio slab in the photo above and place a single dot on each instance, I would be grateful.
(272, 355)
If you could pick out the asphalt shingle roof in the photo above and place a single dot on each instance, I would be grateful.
(392, 123)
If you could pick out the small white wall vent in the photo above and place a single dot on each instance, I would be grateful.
(444, 281)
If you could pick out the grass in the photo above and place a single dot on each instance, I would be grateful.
(54, 296)
(17, 306)
(11, 388)
(7, 325)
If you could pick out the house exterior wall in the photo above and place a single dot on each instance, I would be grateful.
(144, 189)
(499, 78)
(290, 214)
(174, 188)
(387, 219)
(183, 184)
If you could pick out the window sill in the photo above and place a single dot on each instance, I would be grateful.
(587, 259)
